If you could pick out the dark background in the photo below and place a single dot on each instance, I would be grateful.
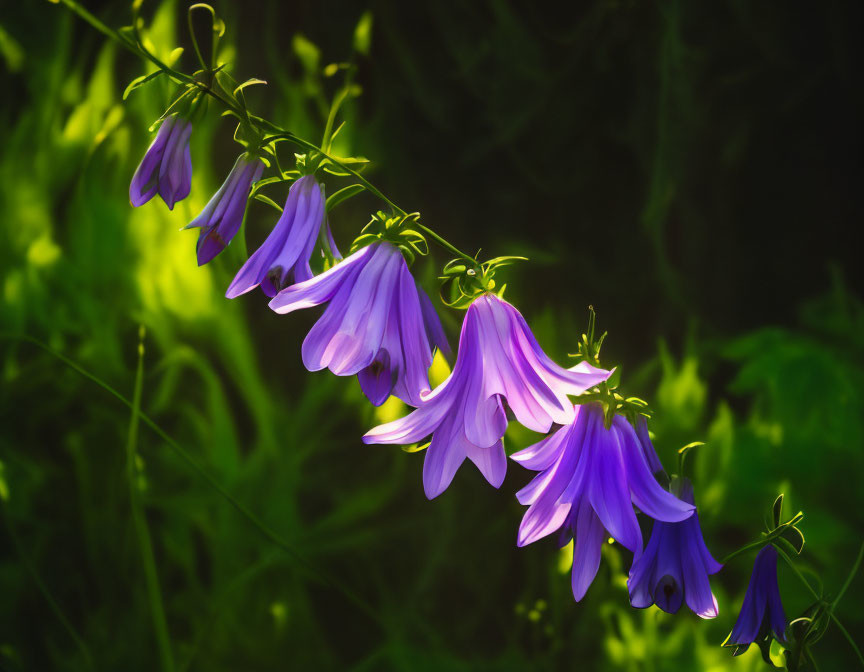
(692, 170)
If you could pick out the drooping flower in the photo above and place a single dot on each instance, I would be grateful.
(221, 218)
(762, 610)
(283, 258)
(675, 567)
(590, 478)
(499, 361)
(375, 326)
(166, 168)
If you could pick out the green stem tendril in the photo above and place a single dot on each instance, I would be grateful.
(145, 544)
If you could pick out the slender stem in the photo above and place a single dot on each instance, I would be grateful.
(43, 589)
(145, 544)
(834, 618)
(848, 638)
(194, 39)
(849, 578)
(262, 528)
(261, 123)
(753, 544)
(443, 243)
(797, 572)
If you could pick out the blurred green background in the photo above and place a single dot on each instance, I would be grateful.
(693, 170)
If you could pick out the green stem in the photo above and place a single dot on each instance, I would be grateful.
(834, 618)
(262, 528)
(194, 39)
(261, 123)
(43, 589)
(848, 639)
(849, 578)
(145, 544)
(447, 246)
(747, 547)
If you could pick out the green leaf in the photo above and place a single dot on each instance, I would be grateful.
(141, 81)
(363, 33)
(343, 195)
(268, 201)
(307, 52)
(248, 82)
(174, 56)
(4, 487)
(795, 537)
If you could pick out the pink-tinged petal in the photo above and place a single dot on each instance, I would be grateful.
(415, 426)
(587, 542)
(542, 455)
(322, 288)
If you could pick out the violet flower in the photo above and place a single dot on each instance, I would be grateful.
(166, 168)
(762, 611)
(221, 218)
(283, 257)
(499, 361)
(590, 479)
(675, 567)
(375, 325)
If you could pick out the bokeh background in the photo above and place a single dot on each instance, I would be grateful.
(693, 170)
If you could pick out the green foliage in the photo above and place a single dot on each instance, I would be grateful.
(294, 545)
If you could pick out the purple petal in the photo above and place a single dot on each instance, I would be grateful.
(647, 494)
(322, 288)
(587, 542)
(444, 456)
(434, 330)
(647, 447)
(641, 581)
(492, 462)
(749, 621)
(542, 455)
(405, 336)
(699, 596)
(286, 252)
(607, 488)
(376, 380)
(418, 424)
(145, 181)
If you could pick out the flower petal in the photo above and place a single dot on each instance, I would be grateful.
(444, 456)
(587, 542)
(607, 488)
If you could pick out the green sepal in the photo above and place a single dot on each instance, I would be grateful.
(343, 195)
(141, 81)
(777, 510)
